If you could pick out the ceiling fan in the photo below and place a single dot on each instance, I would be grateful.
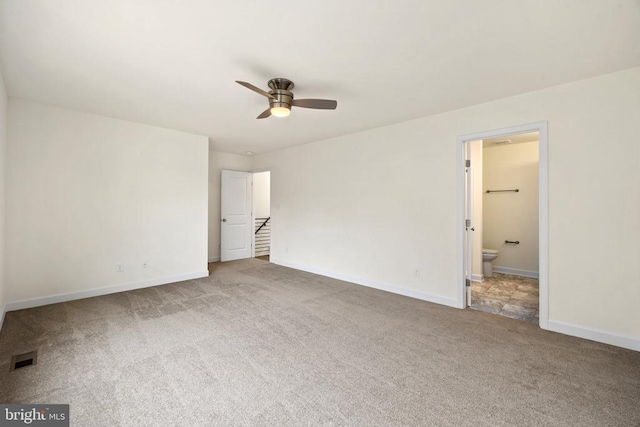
(281, 99)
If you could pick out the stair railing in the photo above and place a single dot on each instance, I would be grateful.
(263, 224)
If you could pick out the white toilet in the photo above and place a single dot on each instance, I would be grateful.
(488, 255)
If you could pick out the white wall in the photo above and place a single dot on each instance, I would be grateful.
(3, 164)
(217, 162)
(377, 205)
(512, 216)
(86, 192)
(261, 195)
(476, 170)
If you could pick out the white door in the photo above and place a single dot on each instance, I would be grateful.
(469, 228)
(236, 230)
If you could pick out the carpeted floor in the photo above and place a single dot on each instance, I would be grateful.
(260, 344)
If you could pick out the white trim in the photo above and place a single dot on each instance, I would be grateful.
(4, 311)
(468, 215)
(451, 302)
(461, 217)
(477, 278)
(543, 223)
(70, 296)
(516, 272)
(543, 206)
(214, 259)
(624, 341)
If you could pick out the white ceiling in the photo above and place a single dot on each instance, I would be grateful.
(173, 63)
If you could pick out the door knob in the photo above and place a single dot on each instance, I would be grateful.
(224, 219)
(473, 229)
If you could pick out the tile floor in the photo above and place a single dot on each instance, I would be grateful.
(507, 295)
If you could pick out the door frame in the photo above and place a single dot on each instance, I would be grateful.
(543, 209)
(468, 215)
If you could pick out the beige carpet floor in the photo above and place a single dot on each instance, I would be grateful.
(260, 344)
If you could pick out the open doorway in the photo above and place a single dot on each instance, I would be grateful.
(504, 277)
(504, 232)
(262, 215)
(245, 215)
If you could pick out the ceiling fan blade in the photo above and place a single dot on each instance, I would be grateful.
(320, 104)
(266, 113)
(256, 89)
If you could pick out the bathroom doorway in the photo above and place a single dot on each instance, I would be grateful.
(504, 207)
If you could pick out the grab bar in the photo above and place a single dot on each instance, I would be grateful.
(517, 242)
(502, 191)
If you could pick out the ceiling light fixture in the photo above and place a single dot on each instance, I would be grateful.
(250, 153)
(280, 111)
(281, 99)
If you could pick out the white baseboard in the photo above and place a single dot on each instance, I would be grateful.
(632, 343)
(4, 310)
(451, 302)
(516, 272)
(214, 259)
(53, 299)
(477, 278)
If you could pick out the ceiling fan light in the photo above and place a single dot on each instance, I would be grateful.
(280, 111)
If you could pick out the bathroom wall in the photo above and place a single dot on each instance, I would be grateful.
(510, 215)
(476, 171)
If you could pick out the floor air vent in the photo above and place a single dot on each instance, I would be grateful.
(22, 360)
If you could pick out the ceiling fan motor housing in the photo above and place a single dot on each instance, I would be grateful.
(281, 84)
(281, 90)
(284, 99)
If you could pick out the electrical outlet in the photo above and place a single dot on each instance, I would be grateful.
(416, 273)
(120, 267)
(145, 264)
